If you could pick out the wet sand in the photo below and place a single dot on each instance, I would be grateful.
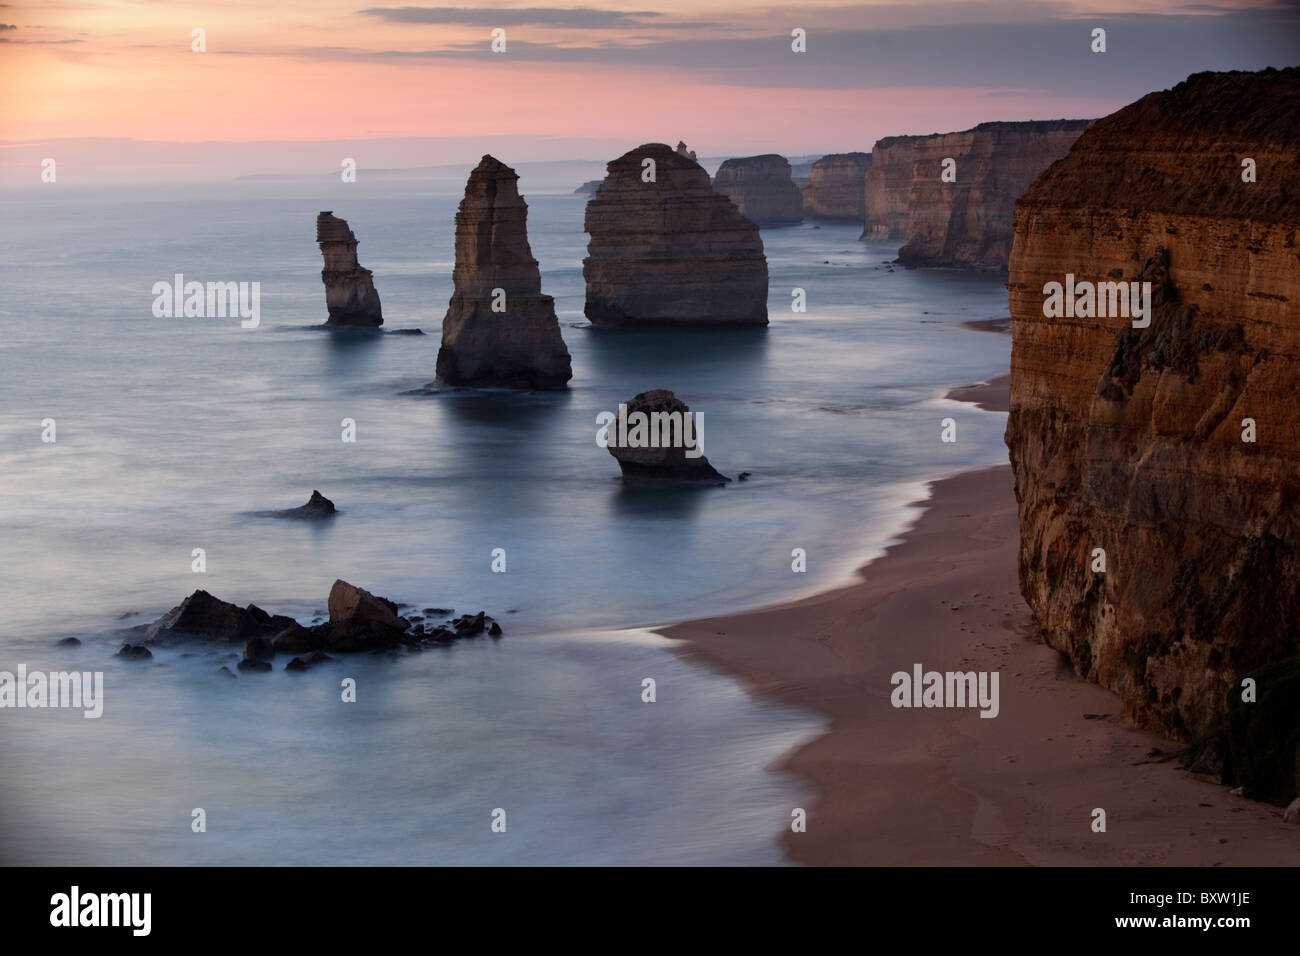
(927, 786)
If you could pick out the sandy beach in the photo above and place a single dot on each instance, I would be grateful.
(933, 786)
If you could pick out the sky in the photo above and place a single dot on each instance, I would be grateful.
(117, 88)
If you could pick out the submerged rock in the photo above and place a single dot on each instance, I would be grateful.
(134, 652)
(670, 250)
(202, 615)
(317, 507)
(349, 289)
(358, 621)
(651, 437)
(499, 330)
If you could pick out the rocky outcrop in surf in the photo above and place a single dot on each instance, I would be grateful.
(836, 188)
(666, 249)
(655, 437)
(1157, 468)
(500, 330)
(762, 189)
(350, 292)
(358, 621)
(317, 507)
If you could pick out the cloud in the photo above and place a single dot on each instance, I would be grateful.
(581, 18)
(1144, 52)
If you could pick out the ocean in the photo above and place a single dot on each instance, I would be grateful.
(171, 431)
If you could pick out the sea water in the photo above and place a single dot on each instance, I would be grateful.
(170, 431)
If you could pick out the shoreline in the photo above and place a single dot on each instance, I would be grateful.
(905, 786)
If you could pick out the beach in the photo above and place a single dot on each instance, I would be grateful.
(943, 786)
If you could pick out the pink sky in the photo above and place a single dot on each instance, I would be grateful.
(720, 75)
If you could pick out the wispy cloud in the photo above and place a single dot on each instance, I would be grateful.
(580, 18)
(1144, 52)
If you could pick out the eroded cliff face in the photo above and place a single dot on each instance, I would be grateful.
(671, 251)
(350, 292)
(499, 330)
(888, 189)
(837, 188)
(968, 222)
(1130, 440)
(762, 189)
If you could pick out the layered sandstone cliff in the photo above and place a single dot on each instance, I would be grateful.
(666, 249)
(837, 188)
(1130, 440)
(500, 330)
(350, 292)
(888, 189)
(762, 189)
(968, 222)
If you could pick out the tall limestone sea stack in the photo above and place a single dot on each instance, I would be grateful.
(837, 188)
(762, 189)
(666, 249)
(350, 292)
(500, 330)
(1170, 455)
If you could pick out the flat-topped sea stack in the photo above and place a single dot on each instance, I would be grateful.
(1174, 448)
(968, 223)
(837, 188)
(762, 189)
(655, 437)
(349, 289)
(670, 250)
(500, 330)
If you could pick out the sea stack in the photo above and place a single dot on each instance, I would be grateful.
(1157, 469)
(652, 436)
(762, 189)
(500, 330)
(836, 188)
(349, 289)
(666, 249)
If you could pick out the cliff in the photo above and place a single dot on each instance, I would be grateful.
(1131, 440)
(500, 330)
(837, 188)
(762, 189)
(350, 292)
(670, 251)
(968, 223)
(888, 189)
